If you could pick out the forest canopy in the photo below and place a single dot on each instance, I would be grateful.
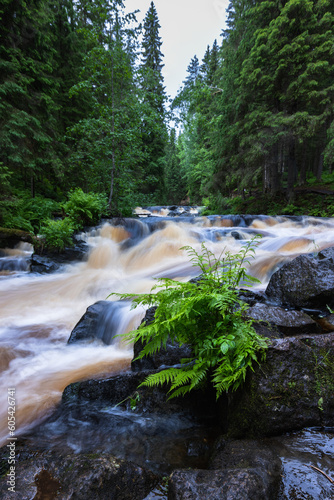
(83, 105)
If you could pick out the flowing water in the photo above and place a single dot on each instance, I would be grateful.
(38, 312)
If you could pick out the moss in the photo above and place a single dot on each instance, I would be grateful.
(323, 372)
(10, 237)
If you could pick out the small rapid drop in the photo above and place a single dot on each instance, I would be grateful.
(38, 313)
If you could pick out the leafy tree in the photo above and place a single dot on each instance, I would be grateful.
(175, 188)
(276, 104)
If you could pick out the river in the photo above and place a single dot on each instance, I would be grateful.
(38, 312)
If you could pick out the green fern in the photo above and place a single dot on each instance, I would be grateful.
(208, 316)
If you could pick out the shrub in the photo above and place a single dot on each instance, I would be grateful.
(58, 233)
(208, 316)
(85, 208)
(23, 212)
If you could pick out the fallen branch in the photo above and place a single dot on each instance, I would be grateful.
(323, 473)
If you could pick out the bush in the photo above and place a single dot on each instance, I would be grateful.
(23, 212)
(209, 317)
(85, 208)
(58, 233)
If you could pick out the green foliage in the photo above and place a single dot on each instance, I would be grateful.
(208, 316)
(84, 208)
(23, 212)
(57, 233)
(5, 177)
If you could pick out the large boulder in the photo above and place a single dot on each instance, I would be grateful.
(66, 475)
(239, 470)
(292, 389)
(305, 282)
(243, 469)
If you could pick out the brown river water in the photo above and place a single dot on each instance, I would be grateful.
(38, 312)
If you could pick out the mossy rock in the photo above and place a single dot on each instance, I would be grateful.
(292, 390)
(9, 238)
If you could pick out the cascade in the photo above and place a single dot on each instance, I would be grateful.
(38, 312)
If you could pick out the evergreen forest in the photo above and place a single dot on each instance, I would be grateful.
(85, 120)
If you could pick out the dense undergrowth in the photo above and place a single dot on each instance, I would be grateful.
(55, 222)
(315, 199)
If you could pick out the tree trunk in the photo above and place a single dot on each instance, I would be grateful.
(292, 170)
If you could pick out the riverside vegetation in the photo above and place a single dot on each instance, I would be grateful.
(207, 315)
(89, 111)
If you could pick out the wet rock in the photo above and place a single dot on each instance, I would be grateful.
(50, 262)
(170, 356)
(287, 322)
(243, 469)
(123, 387)
(9, 238)
(47, 475)
(43, 265)
(14, 264)
(292, 389)
(98, 323)
(305, 282)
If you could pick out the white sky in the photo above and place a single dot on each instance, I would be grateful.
(187, 28)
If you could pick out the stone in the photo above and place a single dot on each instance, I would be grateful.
(289, 322)
(292, 389)
(50, 261)
(98, 323)
(238, 470)
(66, 475)
(305, 282)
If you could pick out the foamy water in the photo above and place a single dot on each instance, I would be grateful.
(37, 313)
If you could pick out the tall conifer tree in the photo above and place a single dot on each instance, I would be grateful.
(154, 97)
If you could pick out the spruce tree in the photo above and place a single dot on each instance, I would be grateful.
(28, 88)
(107, 144)
(154, 129)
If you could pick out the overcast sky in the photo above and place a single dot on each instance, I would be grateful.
(187, 28)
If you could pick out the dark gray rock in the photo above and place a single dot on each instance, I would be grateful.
(227, 484)
(292, 389)
(50, 262)
(99, 322)
(288, 322)
(43, 265)
(122, 387)
(170, 356)
(305, 282)
(243, 469)
(65, 476)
